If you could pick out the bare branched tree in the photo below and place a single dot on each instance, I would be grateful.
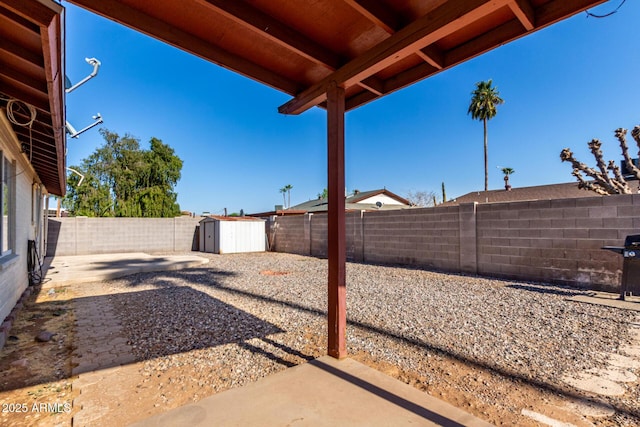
(607, 178)
(423, 199)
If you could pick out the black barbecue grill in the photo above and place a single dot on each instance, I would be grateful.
(630, 266)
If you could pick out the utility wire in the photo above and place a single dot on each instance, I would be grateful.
(606, 14)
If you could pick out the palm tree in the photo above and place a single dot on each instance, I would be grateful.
(288, 188)
(485, 98)
(283, 191)
(507, 172)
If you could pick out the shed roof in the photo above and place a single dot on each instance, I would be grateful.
(229, 218)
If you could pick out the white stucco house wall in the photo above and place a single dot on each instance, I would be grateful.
(32, 139)
(23, 218)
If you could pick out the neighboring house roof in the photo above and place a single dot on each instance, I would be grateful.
(362, 196)
(361, 200)
(567, 190)
(32, 72)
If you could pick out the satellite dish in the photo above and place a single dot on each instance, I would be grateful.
(379, 204)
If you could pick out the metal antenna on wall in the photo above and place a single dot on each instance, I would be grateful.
(71, 131)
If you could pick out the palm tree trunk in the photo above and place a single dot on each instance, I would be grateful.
(486, 158)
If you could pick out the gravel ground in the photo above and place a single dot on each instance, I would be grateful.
(246, 316)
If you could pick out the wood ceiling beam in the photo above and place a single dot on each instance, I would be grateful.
(440, 22)
(433, 56)
(19, 53)
(168, 33)
(410, 76)
(53, 52)
(43, 169)
(39, 155)
(524, 12)
(265, 25)
(378, 13)
(475, 47)
(386, 19)
(41, 12)
(392, 84)
(383, 17)
(360, 99)
(8, 17)
(10, 73)
(38, 102)
(554, 11)
(40, 131)
(373, 84)
(546, 15)
(489, 40)
(46, 143)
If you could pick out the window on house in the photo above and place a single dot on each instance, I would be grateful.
(7, 196)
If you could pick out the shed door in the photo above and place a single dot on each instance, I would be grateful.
(209, 233)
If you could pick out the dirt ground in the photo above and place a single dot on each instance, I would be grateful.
(36, 385)
(35, 389)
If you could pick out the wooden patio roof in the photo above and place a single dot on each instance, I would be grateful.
(32, 71)
(369, 47)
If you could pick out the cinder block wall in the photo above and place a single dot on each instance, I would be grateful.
(307, 235)
(289, 235)
(319, 232)
(84, 236)
(426, 237)
(556, 241)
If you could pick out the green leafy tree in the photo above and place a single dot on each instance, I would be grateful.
(324, 194)
(484, 101)
(123, 180)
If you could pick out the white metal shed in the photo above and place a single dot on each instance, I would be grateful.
(226, 235)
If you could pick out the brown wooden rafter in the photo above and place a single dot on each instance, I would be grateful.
(462, 13)
(132, 17)
(32, 71)
(440, 22)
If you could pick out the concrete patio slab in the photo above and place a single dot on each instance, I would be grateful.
(323, 392)
(65, 270)
(609, 300)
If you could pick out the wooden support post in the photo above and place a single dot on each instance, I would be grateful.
(337, 310)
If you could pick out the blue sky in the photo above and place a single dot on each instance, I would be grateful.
(562, 86)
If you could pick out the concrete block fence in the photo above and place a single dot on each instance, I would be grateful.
(556, 241)
(86, 236)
